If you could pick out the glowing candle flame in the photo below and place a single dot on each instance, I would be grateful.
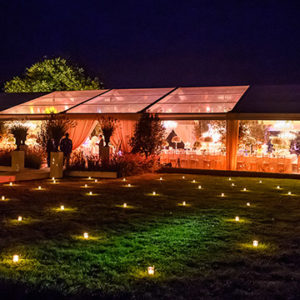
(222, 195)
(90, 193)
(62, 207)
(151, 270)
(15, 258)
(199, 187)
(20, 218)
(255, 243)
(237, 218)
(184, 203)
(3, 198)
(86, 235)
(248, 203)
(125, 205)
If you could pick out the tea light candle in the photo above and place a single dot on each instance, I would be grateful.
(160, 178)
(85, 185)
(194, 181)
(248, 203)
(96, 180)
(86, 235)
(54, 181)
(153, 193)
(62, 207)
(124, 179)
(237, 219)
(39, 187)
(255, 243)
(232, 184)
(90, 193)
(199, 187)
(125, 205)
(20, 218)
(260, 181)
(3, 198)
(183, 177)
(229, 178)
(151, 270)
(244, 189)
(278, 187)
(90, 178)
(184, 203)
(129, 185)
(222, 195)
(15, 258)
(10, 183)
(289, 193)
(53, 178)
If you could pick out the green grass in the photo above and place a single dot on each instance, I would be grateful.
(198, 250)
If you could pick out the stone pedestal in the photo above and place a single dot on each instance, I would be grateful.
(17, 160)
(105, 155)
(56, 164)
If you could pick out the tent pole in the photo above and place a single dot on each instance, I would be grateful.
(232, 140)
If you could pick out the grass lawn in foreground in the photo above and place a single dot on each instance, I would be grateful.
(198, 250)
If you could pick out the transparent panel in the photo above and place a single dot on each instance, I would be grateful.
(200, 100)
(269, 146)
(53, 103)
(194, 144)
(121, 101)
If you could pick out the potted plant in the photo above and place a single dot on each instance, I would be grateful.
(108, 126)
(19, 131)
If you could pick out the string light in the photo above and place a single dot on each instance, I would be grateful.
(85, 235)
(151, 270)
(255, 243)
(237, 219)
(15, 258)
(20, 218)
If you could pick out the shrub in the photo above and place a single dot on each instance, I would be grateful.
(34, 159)
(5, 158)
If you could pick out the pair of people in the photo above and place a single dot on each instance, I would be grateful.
(66, 146)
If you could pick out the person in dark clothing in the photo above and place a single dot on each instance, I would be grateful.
(50, 148)
(101, 145)
(66, 146)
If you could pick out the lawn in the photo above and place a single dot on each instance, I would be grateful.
(198, 250)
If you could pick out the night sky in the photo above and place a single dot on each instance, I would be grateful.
(156, 43)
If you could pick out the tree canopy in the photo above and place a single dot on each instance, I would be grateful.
(50, 75)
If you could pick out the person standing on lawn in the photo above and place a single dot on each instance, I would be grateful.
(66, 146)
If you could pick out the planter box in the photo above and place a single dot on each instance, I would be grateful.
(56, 164)
(17, 160)
(94, 174)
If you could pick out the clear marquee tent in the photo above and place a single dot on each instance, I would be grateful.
(181, 109)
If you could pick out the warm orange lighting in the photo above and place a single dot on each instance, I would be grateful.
(255, 243)
(244, 189)
(15, 258)
(194, 181)
(86, 235)
(39, 187)
(129, 185)
(151, 270)
(289, 193)
(229, 178)
(260, 181)
(96, 180)
(124, 179)
(90, 178)
(233, 184)
(278, 187)
(20, 218)
(54, 181)
(183, 177)
(160, 178)
(153, 193)
(53, 178)
(85, 185)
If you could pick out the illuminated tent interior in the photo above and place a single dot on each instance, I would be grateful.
(247, 128)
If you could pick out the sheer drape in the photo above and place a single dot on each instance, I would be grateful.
(122, 135)
(81, 132)
(185, 132)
